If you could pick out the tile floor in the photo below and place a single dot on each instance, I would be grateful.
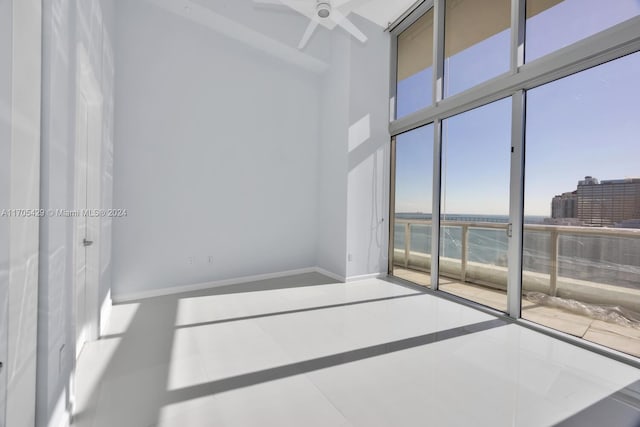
(304, 351)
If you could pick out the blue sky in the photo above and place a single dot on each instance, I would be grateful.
(586, 124)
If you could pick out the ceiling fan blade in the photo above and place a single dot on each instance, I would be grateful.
(339, 18)
(307, 33)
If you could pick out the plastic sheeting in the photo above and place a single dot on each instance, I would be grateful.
(607, 313)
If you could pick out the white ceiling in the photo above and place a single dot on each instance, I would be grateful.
(277, 29)
(381, 12)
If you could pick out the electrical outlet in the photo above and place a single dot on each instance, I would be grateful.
(191, 260)
(349, 257)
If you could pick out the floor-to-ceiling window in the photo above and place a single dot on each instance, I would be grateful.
(475, 204)
(583, 179)
(516, 179)
(411, 255)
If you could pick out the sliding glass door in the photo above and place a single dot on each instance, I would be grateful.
(582, 201)
(474, 214)
(413, 200)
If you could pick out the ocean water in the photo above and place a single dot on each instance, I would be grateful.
(608, 260)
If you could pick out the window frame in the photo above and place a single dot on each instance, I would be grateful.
(402, 25)
(613, 43)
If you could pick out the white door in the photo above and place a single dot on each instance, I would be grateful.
(80, 223)
(86, 257)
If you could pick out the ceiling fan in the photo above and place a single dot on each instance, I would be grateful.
(321, 12)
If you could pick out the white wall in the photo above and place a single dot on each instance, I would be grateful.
(225, 152)
(68, 27)
(332, 224)
(216, 155)
(20, 114)
(354, 171)
(368, 154)
(107, 81)
(6, 32)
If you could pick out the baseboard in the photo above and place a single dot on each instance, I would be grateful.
(134, 296)
(207, 285)
(330, 274)
(365, 277)
(105, 313)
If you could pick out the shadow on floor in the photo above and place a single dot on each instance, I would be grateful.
(131, 387)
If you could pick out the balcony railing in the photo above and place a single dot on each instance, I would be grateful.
(603, 276)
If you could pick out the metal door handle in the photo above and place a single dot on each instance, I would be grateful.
(86, 242)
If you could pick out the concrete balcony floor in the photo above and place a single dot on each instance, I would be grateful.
(618, 337)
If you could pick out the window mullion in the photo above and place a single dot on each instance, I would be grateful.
(516, 206)
(438, 93)
(518, 23)
(392, 202)
(435, 204)
(438, 50)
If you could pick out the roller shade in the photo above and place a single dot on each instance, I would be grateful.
(415, 47)
(467, 22)
(534, 7)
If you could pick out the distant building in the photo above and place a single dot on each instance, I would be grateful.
(608, 203)
(588, 180)
(565, 205)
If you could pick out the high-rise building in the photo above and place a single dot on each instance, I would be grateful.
(564, 205)
(608, 202)
(600, 204)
